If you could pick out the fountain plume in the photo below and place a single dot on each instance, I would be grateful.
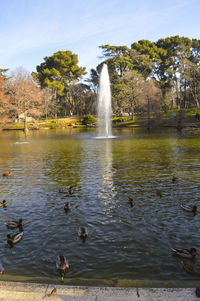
(104, 109)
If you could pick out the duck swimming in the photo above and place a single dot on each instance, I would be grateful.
(174, 179)
(67, 207)
(186, 253)
(14, 238)
(7, 174)
(190, 208)
(130, 201)
(159, 193)
(14, 224)
(66, 190)
(191, 267)
(62, 265)
(83, 232)
(3, 203)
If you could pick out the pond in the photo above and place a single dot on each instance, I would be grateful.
(124, 243)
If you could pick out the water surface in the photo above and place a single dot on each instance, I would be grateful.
(124, 242)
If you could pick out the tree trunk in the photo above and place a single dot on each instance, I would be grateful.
(132, 113)
(148, 115)
(25, 124)
(197, 101)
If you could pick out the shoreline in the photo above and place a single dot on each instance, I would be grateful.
(100, 282)
(135, 124)
(16, 291)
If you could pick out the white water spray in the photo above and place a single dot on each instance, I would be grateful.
(104, 109)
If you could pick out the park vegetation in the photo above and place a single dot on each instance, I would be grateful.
(147, 78)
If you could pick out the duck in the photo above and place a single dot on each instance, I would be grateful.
(130, 201)
(67, 207)
(66, 190)
(1, 268)
(13, 239)
(62, 265)
(190, 267)
(7, 174)
(190, 208)
(159, 193)
(3, 203)
(186, 253)
(174, 179)
(83, 232)
(14, 224)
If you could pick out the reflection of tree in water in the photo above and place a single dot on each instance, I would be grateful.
(63, 161)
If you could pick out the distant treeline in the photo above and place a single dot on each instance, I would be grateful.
(148, 77)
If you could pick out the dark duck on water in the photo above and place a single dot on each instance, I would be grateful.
(14, 224)
(130, 200)
(189, 208)
(83, 232)
(14, 238)
(3, 203)
(7, 174)
(185, 253)
(62, 265)
(66, 190)
(67, 207)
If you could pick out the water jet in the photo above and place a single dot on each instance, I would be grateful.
(104, 109)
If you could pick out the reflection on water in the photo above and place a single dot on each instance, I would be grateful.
(106, 187)
(123, 242)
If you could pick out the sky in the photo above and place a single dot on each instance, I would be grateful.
(33, 29)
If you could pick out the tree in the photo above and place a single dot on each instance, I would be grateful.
(173, 57)
(171, 69)
(49, 103)
(4, 99)
(131, 91)
(121, 59)
(25, 95)
(83, 99)
(192, 75)
(152, 96)
(93, 81)
(57, 72)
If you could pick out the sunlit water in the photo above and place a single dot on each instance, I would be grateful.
(123, 242)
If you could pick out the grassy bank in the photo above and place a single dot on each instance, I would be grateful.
(170, 119)
(68, 122)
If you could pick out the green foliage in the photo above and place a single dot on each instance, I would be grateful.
(121, 59)
(89, 119)
(58, 71)
(119, 119)
(165, 108)
(174, 63)
(94, 79)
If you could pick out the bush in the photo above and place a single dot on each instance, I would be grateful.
(89, 119)
(119, 119)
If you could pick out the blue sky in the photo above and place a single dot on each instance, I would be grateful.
(33, 29)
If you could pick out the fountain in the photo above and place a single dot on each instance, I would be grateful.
(104, 109)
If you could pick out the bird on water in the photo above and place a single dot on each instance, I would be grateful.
(186, 253)
(62, 265)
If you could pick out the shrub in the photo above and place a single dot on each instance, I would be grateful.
(119, 119)
(89, 119)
